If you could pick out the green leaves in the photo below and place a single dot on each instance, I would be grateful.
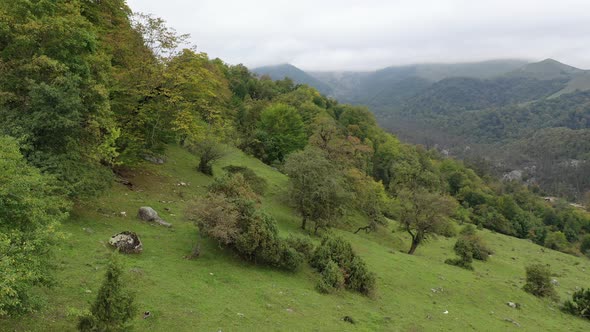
(281, 132)
(30, 209)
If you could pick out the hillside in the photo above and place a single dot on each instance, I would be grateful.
(477, 111)
(279, 208)
(219, 291)
(278, 72)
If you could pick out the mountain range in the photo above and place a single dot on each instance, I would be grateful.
(378, 88)
(491, 113)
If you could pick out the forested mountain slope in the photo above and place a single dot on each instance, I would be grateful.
(485, 112)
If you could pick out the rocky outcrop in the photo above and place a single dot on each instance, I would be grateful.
(148, 214)
(126, 242)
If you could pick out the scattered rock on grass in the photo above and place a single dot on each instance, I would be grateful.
(513, 305)
(126, 242)
(510, 320)
(146, 213)
(154, 159)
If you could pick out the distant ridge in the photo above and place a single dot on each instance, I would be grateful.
(278, 72)
(546, 70)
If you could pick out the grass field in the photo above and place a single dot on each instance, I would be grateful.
(218, 291)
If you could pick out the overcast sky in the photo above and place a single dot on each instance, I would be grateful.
(371, 34)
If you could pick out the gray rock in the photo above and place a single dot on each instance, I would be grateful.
(126, 242)
(148, 214)
(154, 159)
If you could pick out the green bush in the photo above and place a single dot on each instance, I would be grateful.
(464, 249)
(332, 249)
(359, 278)
(331, 278)
(355, 273)
(468, 229)
(585, 245)
(469, 247)
(479, 248)
(302, 244)
(460, 263)
(579, 305)
(257, 183)
(556, 241)
(290, 259)
(538, 281)
(229, 215)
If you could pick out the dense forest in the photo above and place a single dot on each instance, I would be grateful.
(493, 115)
(88, 89)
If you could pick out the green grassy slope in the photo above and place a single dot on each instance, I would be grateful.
(218, 291)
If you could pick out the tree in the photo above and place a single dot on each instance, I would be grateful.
(31, 208)
(54, 96)
(315, 187)
(113, 307)
(369, 197)
(281, 132)
(538, 281)
(423, 214)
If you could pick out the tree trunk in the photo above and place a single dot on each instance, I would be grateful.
(303, 222)
(415, 243)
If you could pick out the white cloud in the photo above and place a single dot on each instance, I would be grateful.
(370, 34)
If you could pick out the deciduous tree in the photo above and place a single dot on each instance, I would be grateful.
(423, 214)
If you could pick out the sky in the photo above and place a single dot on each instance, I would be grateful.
(346, 35)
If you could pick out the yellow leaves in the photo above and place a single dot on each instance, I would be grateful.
(187, 126)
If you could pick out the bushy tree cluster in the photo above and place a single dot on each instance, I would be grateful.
(340, 267)
(31, 208)
(538, 281)
(579, 305)
(229, 215)
(468, 247)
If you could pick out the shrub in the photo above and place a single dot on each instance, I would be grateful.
(469, 229)
(585, 245)
(464, 249)
(234, 187)
(229, 215)
(556, 241)
(460, 263)
(290, 259)
(257, 183)
(579, 305)
(538, 281)
(113, 307)
(353, 269)
(469, 247)
(331, 278)
(479, 248)
(359, 278)
(302, 244)
(332, 249)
